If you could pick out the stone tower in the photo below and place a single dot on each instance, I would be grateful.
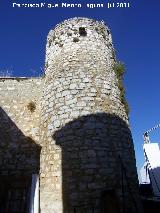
(87, 157)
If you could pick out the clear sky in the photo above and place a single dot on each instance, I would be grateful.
(136, 37)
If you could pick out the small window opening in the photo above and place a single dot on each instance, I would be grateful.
(82, 31)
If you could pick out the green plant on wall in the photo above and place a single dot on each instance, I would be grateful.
(31, 106)
(120, 69)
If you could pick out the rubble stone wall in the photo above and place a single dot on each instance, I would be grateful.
(71, 126)
(84, 127)
(19, 125)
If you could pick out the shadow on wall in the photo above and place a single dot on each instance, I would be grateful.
(91, 164)
(19, 159)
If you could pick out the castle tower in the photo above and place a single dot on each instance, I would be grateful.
(87, 160)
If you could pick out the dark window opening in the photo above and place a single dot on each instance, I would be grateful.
(14, 194)
(82, 31)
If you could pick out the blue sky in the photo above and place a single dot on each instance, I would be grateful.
(136, 38)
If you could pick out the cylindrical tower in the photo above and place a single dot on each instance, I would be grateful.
(87, 159)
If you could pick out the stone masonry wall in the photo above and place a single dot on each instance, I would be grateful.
(87, 144)
(19, 125)
(71, 126)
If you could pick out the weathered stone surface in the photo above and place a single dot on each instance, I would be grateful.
(91, 125)
(19, 125)
(75, 117)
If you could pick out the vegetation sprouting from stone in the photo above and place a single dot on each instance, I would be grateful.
(46, 65)
(120, 69)
(31, 106)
